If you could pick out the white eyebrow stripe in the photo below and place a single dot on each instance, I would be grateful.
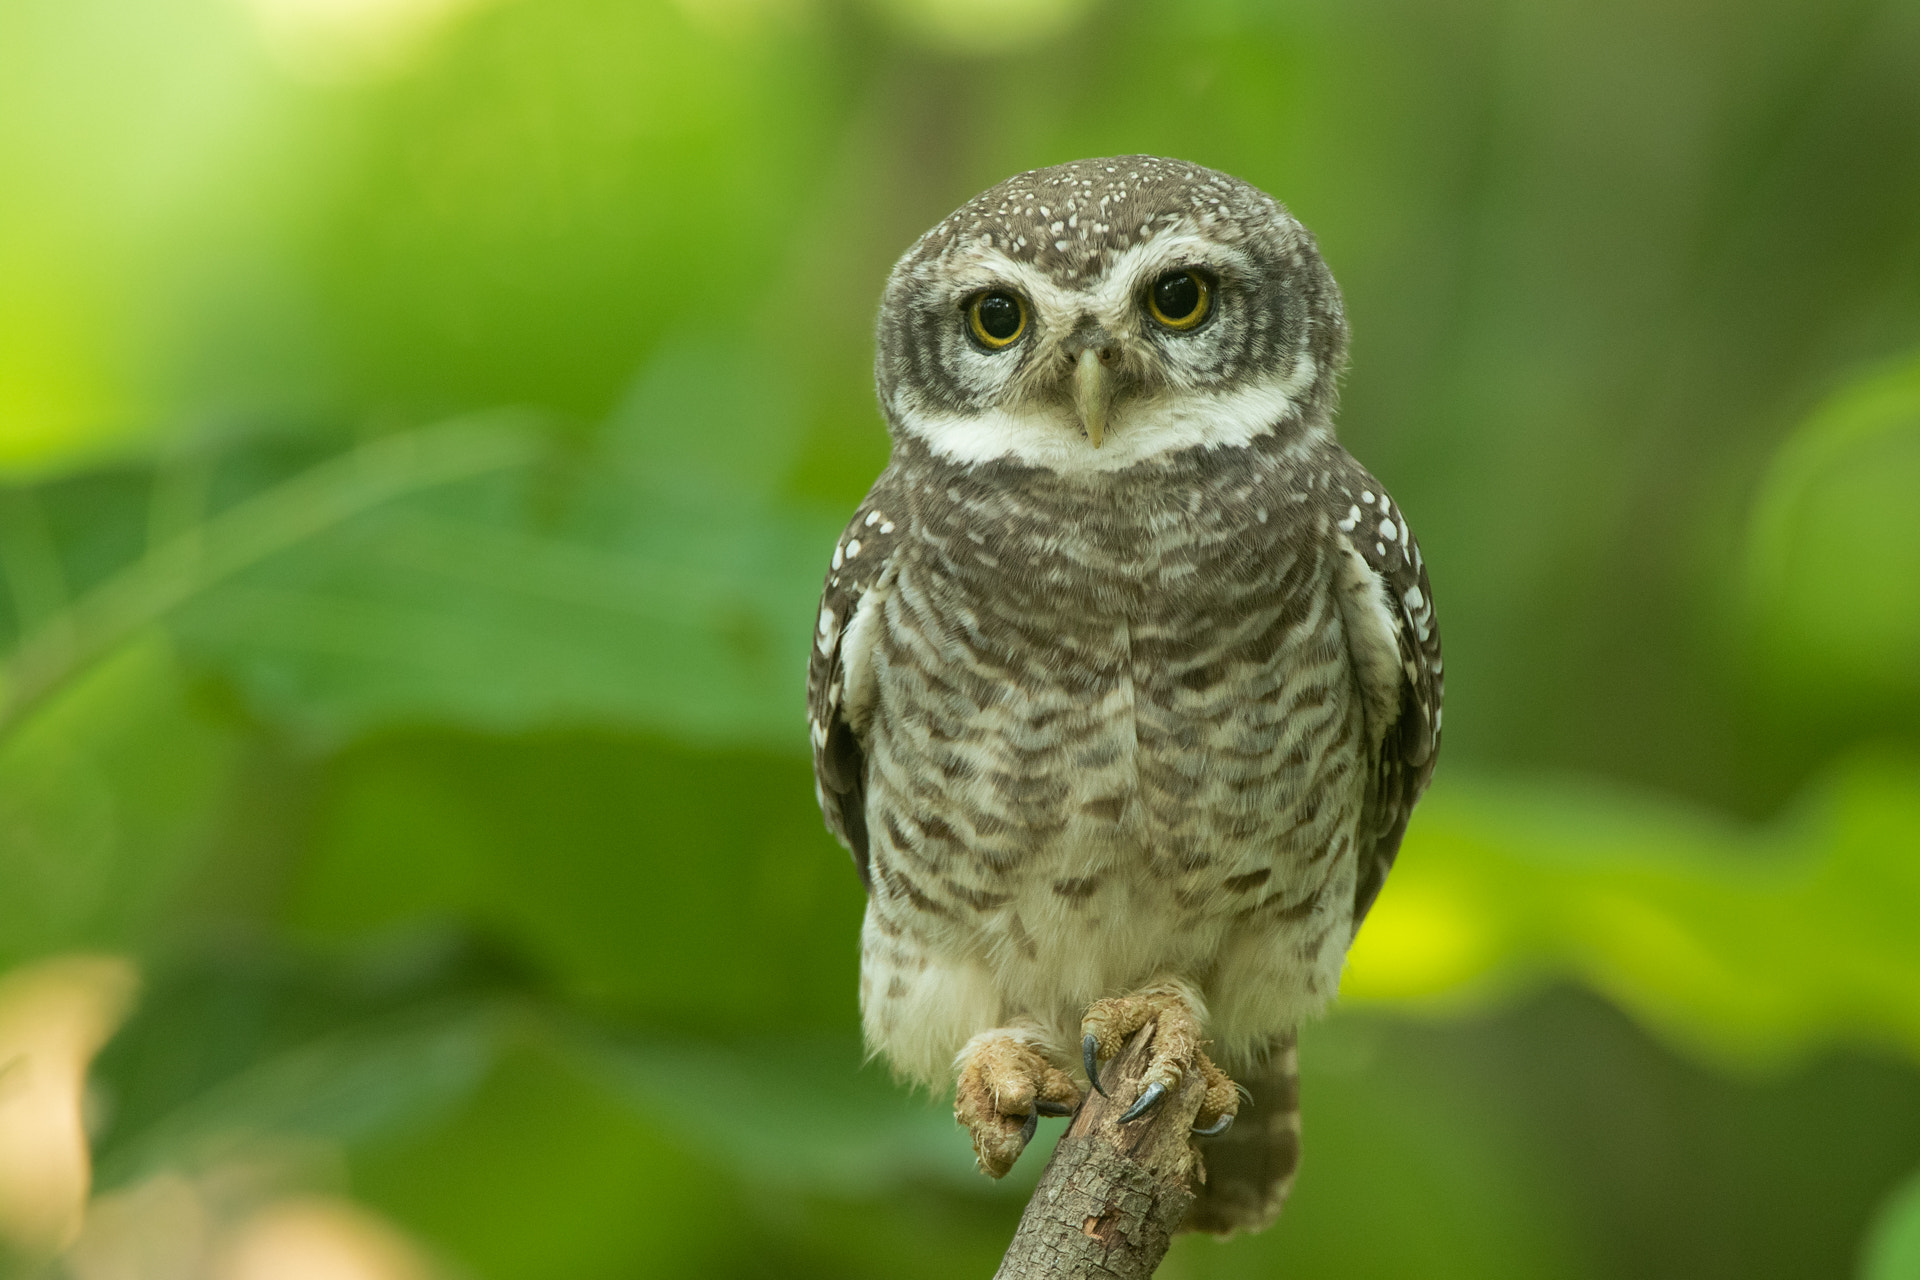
(1112, 298)
(1146, 429)
(1132, 267)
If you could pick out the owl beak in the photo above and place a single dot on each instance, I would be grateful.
(1092, 394)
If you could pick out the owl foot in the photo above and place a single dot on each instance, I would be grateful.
(1006, 1085)
(1176, 1050)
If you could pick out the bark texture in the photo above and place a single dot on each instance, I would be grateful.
(1113, 1195)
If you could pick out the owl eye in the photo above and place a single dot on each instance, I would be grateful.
(1180, 299)
(997, 318)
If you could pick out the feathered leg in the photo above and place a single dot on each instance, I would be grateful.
(1006, 1084)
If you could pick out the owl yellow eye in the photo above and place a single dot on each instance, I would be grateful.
(997, 318)
(1180, 299)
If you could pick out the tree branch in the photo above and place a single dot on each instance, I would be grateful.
(1113, 1195)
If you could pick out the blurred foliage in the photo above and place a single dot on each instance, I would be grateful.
(421, 424)
(1832, 547)
(1893, 1252)
(1752, 949)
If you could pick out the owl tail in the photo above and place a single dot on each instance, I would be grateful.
(1250, 1167)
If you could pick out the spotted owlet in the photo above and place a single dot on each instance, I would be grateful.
(1126, 676)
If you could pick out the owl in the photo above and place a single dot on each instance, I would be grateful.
(1126, 676)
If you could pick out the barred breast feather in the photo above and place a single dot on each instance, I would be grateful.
(1385, 605)
(1077, 732)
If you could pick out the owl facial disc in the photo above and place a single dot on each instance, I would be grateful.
(1099, 314)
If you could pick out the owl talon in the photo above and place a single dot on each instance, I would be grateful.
(1090, 1054)
(1006, 1085)
(1148, 1100)
(1215, 1129)
(1169, 1009)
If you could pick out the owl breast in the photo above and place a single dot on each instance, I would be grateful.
(1115, 735)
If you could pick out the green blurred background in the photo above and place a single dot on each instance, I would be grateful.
(422, 423)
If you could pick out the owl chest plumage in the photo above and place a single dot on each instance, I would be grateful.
(1111, 723)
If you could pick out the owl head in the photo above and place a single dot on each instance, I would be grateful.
(1093, 315)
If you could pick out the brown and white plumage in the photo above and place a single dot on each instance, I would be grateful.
(1131, 692)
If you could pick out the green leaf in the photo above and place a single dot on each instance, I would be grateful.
(1752, 947)
(798, 1112)
(654, 584)
(1834, 554)
(1893, 1245)
(361, 1082)
(200, 559)
(543, 1172)
(109, 798)
(687, 889)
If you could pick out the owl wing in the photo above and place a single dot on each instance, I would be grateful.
(1387, 605)
(840, 672)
